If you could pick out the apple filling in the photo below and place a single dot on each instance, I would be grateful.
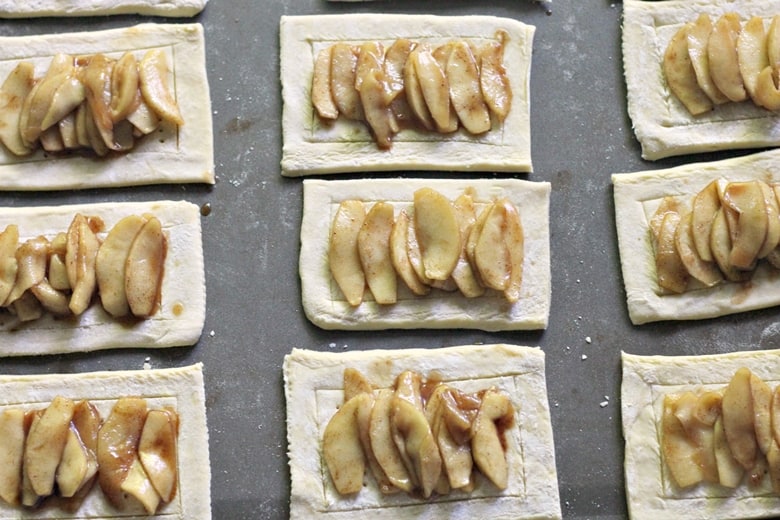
(63, 274)
(726, 436)
(435, 243)
(55, 455)
(92, 103)
(723, 234)
(413, 85)
(422, 437)
(711, 62)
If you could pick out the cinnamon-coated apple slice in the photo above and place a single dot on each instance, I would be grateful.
(723, 58)
(45, 443)
(12, 432)
(698, 38)
(437, 232)
(681, 76)
(144, 269)
(343, 256)
(374, 250)
(342, 449)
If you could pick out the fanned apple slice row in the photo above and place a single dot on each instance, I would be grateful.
(144, 268)
(111, 262)
(45, 443)
(37, 104)
(705, 272)
(681, 76)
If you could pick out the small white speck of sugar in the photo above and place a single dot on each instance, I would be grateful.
(603, 404)
(212, 334)
(584, 357)
(331, 345)
(588, 340)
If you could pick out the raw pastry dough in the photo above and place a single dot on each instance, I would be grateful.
(34, 8)
(662, 124)
(179, 321)
(313, 388)
(313, 148)
(326, 307)
(175, 155)
(637, 196)
(646, 379)
(182, 388)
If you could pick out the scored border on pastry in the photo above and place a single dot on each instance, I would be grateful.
(182, 388)
(15, 9)
(661, 123)
(182, 311)
(646, 379)
(313, 389)
(325, 305)
(310, 148)
(175, 154)
(638, 195)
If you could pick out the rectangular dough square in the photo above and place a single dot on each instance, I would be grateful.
(326, 307)
(36, 8)
(347, 146)
(313, 389)
(182, 313)
(662, 124)
(181, 388)
(173, 155)
(646, 379)
(637, 196)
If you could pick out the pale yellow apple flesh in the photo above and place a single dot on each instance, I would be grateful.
(343, 256)
(493, 79)
(110, 264)
(681, 76)
(374, 250)
(45, 443)
(144, 268)
(698, 39)
(437, 232)
(12, 432)
(342, 449)
(463, 78)
(723, 58)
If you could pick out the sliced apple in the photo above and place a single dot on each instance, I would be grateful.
(490, 253)
(382, 445)
(376, 109)
(395, 62)
(774, 411)
(437, 232)
(687, 410)
(413, 90)
(125, 83)
(54, 301)
(752, 53)
(13, 92)
(720, 245)
(767, 94)
(117, 447)
(465, 93)
(158, 453)
(399, 238)
(343, 65)
(363, 414)
(464, 275)
(706, 272)
(9, 241)
(342, 449)
(321, 95)
(110, 264)
(144, 269)
(40, 99)
(137, 485)
(698, 39)
(153, 78)
(495, 415)
(343, 256)
(679, 452)
(374, 250)
(12, 432)
(681, 76)
(31, 260)
(73, 470)
(738, 419)
(414, 252)
(45, 444)
(730, 472)
(772, 208)
(747, 200)
(494, 83)
(515, 244)
(761, 395)
(723, 58)
(355, 383)
(80, 255)
(434, 87)
(457, 461)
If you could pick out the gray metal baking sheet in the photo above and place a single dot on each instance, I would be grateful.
(580, 135)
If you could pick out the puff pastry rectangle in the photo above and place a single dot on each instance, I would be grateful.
(347, 146)
(35, 8)
(637, 196)
(646, 379)
(326, 307)
(313, 389)
(662, 124)
(180, 388)
(183, 154)
(178, 321)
